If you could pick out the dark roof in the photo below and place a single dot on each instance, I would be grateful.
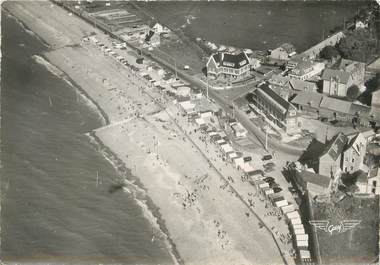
(335, 147)
(231, 60)
(310, 177)
(336, 104)
(340, 75)
(265, 89)
(360, 110)
(302, 85)
(315, 149)
(308, 99)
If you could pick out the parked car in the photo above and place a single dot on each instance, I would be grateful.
(267, 157)
(277, 189)
(256, 172)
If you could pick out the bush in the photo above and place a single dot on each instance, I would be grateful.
(357, 45)
(329, 52)
(353, 92)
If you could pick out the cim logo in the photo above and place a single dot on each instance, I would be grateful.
(342, 227)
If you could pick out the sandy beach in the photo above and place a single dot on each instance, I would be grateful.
(204, 224)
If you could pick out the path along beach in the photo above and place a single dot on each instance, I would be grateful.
(204, 224)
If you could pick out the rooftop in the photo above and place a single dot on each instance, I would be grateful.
(335, 146)
(340, 75)
(301, 85)
(281, 102)
(310, 177)
(231, 60)
(308, 98)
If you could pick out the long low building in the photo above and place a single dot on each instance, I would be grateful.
(275, 108)
(335, 109)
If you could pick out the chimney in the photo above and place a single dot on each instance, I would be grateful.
(222, 56)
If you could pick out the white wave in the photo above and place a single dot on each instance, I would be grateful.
(139, 195)
(59, 73)
(51, 68)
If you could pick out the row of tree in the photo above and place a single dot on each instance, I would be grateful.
(358, 45)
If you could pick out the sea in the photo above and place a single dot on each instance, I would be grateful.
(57, 201)
(257, 25)
(56, 204)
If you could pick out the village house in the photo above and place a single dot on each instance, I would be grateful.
(373, 181)
(337, 81)
(353, 153)
(300, 85)
(279, 80)
(329, 162)
(284, 52)
(305, 69)
(361, 24)
(313, 183)
(355, 68)
(255, 63)
(228, 66)
(275, 108)
(341, 154)
(335, 109)
(152, 38)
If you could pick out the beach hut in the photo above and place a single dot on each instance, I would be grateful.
(226, 148)
(302, 237)
(292, 215)
(221, 142)
(268, 191)
(258, 182)
(183, 91)
(299, 231)
(305, 255)
(200, 121)
(287, 208)
(247, 167)
(187, 106)
(263, 184)
(302, 243)
(295, 221)
(300, 226)
(231, 155)
(238, 162)
(281, 203)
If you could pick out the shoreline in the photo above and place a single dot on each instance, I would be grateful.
(197, 229)
(125, 172)
(157, 222)
(92, 104)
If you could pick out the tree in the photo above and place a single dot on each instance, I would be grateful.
(357, 45)
(329, 52)
(353, 92)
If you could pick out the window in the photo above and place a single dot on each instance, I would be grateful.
(374, 183)
(345, 169)
(374, 190)
(353, 160)
(352, 168)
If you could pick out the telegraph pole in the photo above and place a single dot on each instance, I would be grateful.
(207, 89)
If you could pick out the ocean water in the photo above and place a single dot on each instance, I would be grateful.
(256, 25)
(52, 210)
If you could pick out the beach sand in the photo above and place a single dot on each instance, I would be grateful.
(207, 224)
